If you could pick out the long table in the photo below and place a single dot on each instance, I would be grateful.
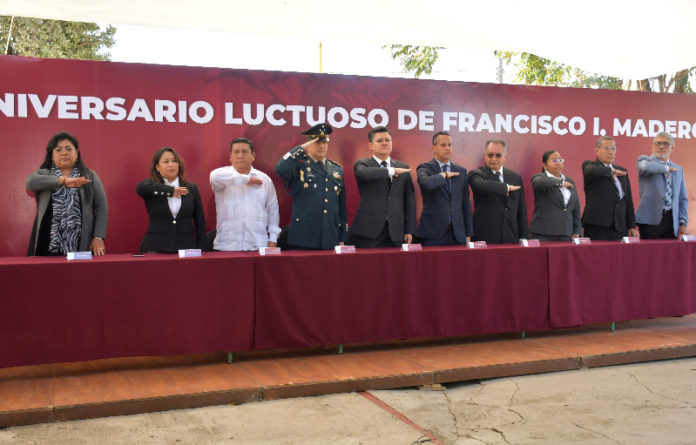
(54, 310)
(383, 294)
(606, 282)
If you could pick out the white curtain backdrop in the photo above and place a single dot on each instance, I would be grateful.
(628, 39)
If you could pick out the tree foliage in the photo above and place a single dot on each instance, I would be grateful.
(534, 70)
(55, 38)
(418, 59)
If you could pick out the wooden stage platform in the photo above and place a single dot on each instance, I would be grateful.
(69, 391)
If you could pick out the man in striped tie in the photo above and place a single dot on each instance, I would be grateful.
(663, 211)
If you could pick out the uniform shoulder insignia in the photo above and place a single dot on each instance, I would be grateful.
(335, 163)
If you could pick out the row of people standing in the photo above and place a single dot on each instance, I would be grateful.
(386, 214)
(71, 201)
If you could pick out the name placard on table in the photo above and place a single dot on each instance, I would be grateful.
(76, 256)
(189, 253)
(344, 249)
(269, 250)
(529, 242)
(582, 241)
(411, 247)
(477, 245)
(630, 239)
(689, 237)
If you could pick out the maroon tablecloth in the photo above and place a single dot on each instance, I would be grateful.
(608, 281)
(54, 310)
(314, 298)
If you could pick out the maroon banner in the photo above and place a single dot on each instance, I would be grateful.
(121, 113)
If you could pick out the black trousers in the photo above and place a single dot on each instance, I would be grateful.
(382, 240)
(542, 237)
(664, 230)
(447, 240)
(600, 233)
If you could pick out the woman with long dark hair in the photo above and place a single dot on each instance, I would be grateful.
(71, 202)
(173, 204)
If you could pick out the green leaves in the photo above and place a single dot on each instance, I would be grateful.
(416, 59)
(535, 70)
(56, 39)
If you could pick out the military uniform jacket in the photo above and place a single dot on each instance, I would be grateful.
(602, 204)
(318, 219)
(383, 198)
(498, 218)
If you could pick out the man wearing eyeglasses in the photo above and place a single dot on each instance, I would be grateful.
(500, 212)
(608, 211)
(663, 211)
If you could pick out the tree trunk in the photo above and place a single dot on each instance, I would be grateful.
(644, 85)
(681, 81)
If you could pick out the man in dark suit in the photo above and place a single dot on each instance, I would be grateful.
(319, 218)
(608, 211)
(386, 216)
(446, 215)
(500, 212)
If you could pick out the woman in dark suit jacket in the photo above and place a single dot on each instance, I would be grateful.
(174, 205)
(556, 207)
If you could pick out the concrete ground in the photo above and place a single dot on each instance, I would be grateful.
(646, 403)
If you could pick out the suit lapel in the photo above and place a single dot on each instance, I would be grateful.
(557, 195)
(675, 180)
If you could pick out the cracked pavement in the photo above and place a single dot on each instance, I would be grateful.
(646, 403)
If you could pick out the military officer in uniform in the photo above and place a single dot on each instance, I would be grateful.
(317, 186)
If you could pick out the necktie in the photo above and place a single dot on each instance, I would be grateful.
(445, 168)
(668, 190)
(388, 181)
(322, 164)
(497, 176)
(617, 183)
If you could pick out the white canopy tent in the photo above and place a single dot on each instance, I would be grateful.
(628, 39)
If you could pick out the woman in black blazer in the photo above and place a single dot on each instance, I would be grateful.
(556, 207)
(173, 204)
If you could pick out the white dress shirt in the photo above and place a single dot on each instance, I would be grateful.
(617, 183)
(564, 190)
(247, 215)
(174, 203)
(390, 169)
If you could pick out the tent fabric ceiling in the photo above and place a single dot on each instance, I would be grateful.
(628, 39)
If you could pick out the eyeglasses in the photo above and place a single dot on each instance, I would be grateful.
(661, 144)
(609, 148)
(66, 149)
(497, 155)
(557, 161)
